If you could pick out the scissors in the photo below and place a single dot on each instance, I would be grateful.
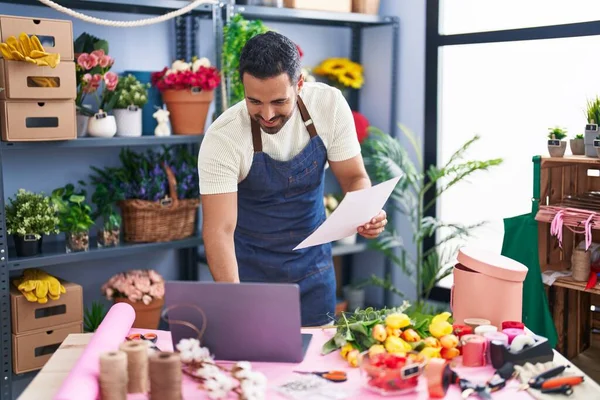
(150, 337)
(333, 376)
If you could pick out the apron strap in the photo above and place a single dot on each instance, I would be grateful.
(308, 122)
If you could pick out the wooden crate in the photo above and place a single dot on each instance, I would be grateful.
(569, 301)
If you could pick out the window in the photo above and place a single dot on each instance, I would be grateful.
(463, 16)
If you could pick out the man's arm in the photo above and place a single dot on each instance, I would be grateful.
(351, 174)
(219, 219)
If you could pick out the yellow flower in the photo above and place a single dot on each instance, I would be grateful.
(353, 358)
(342, 70)
(397, 321)
(394, 344)
(379, 333)
(376, 349)
(440, 328)
(441, 317)
(346, 349)
(431, 352)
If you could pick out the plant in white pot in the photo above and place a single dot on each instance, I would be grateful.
(592, 115)
(101, 124)
(133, 95)
(577, 145)
(556, 144)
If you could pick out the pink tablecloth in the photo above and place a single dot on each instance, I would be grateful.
(278, 374)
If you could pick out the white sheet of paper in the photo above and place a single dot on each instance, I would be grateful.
(356, 209)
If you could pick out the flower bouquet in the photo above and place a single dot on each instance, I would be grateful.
(29, 216)
(393, 331)
(187, 88)
(143, 289)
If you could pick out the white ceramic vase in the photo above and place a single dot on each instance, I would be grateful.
(129, 121)
(102, 125)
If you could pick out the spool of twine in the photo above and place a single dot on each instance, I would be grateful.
(580, 265)
(113, 376)
(165, 376)
(137, 366)
(475, 322)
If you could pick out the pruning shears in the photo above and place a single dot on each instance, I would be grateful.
(333, 376)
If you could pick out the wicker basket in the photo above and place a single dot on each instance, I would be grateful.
(159, 221)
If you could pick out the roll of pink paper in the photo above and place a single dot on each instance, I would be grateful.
(513, 333)
(82, 382)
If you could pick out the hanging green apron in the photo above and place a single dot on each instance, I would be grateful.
(521, 244)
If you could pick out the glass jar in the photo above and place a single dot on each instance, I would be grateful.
(391, 374)
(77, 241)
(109, 237)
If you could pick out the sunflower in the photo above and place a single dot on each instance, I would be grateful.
(342, 71)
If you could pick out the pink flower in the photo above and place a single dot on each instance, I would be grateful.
(109, 293)
(87, 61)
(143, 284)
(110, 80)
(154, 276)
(105, 61)
(91, 82)
(157, 290)
(147, 299)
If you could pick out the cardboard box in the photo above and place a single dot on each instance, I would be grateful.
(28, 316)
(365, 6)
(32, 350)
(20, 80)
(55, 35)
(28, 121)
(335, 6)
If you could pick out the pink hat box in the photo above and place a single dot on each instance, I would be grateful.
(488, 286)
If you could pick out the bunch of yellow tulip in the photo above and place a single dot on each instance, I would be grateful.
(397, 335)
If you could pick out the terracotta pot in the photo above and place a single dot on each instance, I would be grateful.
(146, 316)
(188, 110)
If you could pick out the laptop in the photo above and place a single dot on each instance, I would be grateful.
(256, 322)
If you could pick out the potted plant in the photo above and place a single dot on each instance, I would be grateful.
(30, 216)
(143, 289)
(75, 217)
(591, 128)
(187, 88)
(101, 124)
(556, 144)
(93, 316)
(577, 145)
(88, 72)
(133, 95)
(105, 199)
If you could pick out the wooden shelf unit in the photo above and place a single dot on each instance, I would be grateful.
(569, 301)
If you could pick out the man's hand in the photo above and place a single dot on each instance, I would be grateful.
(373, 228)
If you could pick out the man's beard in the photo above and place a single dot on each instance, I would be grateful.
(280, 123)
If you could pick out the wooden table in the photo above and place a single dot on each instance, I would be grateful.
(49, 380)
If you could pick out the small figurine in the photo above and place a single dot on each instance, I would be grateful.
(162, 117)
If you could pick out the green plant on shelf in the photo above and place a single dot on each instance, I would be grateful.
(93, 317)
(385, 158)
(557, 133)
(75, 216)
(31, 213)
(236, 33)
(131, 92)
(105, 201)
(579, 136)
(592, 111)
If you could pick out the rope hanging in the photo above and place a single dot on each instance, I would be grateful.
(127, 24)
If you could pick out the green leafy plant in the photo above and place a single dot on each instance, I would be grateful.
(131, 92)
(93, 316)
(385, 158)
(87, 43)
(236, 33)
(557, 133)
(592, 112)
(74, 213)
(31, 213)
(105, 201)
(579, 136)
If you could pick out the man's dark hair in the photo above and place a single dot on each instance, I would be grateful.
(268, 55)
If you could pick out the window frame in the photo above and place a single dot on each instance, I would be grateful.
(434, 41)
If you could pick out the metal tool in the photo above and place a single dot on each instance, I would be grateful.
(333, 376)
(468, 389)
(564, 389)
(537, 381)
(149, 337)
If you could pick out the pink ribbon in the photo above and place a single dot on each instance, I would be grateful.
(588, 231)
(556, 226)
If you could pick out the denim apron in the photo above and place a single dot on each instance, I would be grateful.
(280, 203)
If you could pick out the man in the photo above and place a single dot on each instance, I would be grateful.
(261, 166)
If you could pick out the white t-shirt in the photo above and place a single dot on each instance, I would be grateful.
(226, 151)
